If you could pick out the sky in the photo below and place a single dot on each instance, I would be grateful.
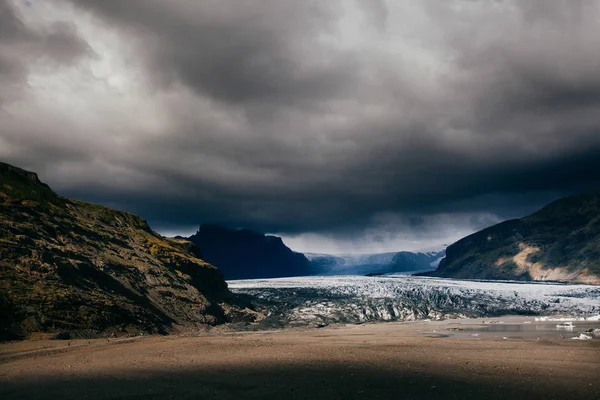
(342, 126)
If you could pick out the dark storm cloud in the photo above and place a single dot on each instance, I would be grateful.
(21, 46)
(251, 51)
(57, 42)
(339, 117)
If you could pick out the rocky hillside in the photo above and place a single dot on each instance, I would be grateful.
(245, 254)
(561, 242)
(76, 268)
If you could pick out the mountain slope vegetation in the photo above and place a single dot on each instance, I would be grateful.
(76, 268)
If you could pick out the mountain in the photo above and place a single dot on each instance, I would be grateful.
(561, 242)
(245, 254)
(377, 263)
(76, 268)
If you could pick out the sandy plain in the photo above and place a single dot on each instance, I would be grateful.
(421, 360)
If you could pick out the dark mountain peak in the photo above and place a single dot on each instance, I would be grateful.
(560, 242)
(246, 254)
(214, 229)
(240, 235)
(16, 173)
(568, 207)
(244, 233)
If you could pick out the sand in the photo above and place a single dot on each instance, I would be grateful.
(371, 361)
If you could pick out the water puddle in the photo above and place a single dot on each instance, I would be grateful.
(582, 330)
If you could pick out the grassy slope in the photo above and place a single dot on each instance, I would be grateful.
(70, 265)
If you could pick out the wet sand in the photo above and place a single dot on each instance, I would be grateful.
(424, 360)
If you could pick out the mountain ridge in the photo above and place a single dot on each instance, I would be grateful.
(560, 242)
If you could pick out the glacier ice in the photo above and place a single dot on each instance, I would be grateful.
(357, 299)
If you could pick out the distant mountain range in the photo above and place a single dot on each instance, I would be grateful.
(79, 269)
(246, 254)
(561, 242)
(374, 264)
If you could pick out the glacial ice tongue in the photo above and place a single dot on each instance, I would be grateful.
(355, 299)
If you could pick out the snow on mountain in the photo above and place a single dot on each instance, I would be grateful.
(436, 262)
(376, 263)
(355, 259)
(433, 249)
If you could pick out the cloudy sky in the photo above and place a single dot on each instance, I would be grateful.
(344, 126)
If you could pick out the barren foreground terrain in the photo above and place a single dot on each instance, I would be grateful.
(437, 360)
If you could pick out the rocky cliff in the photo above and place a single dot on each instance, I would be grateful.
(245, 254)
(561, 242)
(83, 269)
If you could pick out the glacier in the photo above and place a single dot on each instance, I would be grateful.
(324, 300)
